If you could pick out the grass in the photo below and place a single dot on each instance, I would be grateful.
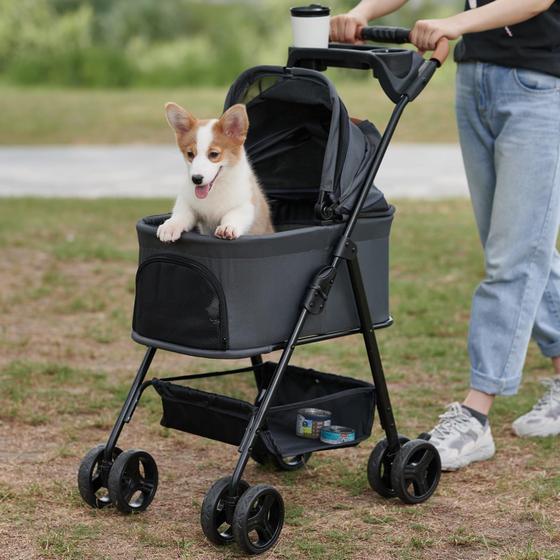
(66, 362)
(79, 116)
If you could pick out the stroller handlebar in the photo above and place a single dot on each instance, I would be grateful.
(399, 71)
(400, 36)
(385, 34)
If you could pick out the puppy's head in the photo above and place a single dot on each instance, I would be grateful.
(208, 146)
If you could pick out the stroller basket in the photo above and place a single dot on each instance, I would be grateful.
(222, 418)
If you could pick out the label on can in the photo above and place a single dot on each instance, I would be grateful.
(310, 421)
(334, 435)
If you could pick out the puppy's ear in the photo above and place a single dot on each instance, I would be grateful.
(178, 118)
(235, 123)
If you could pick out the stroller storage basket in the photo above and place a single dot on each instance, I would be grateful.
(222, 418)
(208, 297)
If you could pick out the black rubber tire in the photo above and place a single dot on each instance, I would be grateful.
(213, 515)
(263, 456)
(90, 480)
(133, 481)
(258, 519)
(379, 469)
(416, 471)
(294, 463)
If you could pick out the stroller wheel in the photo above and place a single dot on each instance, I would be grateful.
(91, 485)
(258, 519)
(416, 471)
(379, 468)
(213, 517)
(292, 463)
(133, 481)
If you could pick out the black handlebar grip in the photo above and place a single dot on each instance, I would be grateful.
(383, 34)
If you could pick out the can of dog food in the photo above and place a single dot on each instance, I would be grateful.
(337, 434)
(310, 421)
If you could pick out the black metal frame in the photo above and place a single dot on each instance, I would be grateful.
(314, 301)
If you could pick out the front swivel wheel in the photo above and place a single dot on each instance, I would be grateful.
(213, 514)
(133, 481)
(416, 471)
(258, 519)
(92, 480)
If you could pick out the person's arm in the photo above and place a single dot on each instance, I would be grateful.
(500, 13)
(346, 28)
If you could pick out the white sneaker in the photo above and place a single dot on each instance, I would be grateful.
(461, 439)
(544, 417)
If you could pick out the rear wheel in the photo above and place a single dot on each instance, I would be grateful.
(379, 468)
(290, 463)
(416, 471)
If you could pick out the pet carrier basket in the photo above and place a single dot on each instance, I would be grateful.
(243, 298)
(323, 274)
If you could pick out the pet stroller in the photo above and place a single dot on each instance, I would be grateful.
(323, 274)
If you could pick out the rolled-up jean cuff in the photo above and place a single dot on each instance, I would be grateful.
(550, 350)
(494, 385)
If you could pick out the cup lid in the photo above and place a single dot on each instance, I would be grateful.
(313, 10)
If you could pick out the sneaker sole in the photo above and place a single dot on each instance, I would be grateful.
(542, 433)
(481, 454)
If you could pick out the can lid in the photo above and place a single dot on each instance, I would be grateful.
(314, 413)
(313, 10)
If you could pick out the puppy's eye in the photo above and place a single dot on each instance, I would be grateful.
(190, 154)
(214, 155)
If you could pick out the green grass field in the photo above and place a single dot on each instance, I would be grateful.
(67, 116)
(66, 362)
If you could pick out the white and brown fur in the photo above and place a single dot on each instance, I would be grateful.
(213, 149)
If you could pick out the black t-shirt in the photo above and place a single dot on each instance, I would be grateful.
(532, 44)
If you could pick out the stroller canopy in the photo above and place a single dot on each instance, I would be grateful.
(301, 141)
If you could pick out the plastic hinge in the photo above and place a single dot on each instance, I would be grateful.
(318, 292)
(346, 250)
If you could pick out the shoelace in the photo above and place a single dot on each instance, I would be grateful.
(452, 420)
(553, 393)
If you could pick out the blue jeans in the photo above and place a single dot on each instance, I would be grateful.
(509, 128)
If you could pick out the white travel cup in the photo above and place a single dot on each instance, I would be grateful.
(310, 26)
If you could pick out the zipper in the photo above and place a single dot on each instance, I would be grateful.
(207, 275)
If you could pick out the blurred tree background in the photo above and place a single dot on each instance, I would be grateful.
(154, 43)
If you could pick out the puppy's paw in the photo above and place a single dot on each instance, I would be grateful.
(227, 232)
(170, 230)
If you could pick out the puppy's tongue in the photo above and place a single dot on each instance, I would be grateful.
(201, 191)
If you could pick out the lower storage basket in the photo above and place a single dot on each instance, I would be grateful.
(208, 297)
(222, 418)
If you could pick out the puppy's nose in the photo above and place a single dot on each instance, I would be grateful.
(197, 179)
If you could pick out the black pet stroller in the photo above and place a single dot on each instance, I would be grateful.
(323, 274)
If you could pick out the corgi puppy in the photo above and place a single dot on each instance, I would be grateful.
(222, 195)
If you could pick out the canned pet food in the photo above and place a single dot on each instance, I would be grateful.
(337, 434)
(310, 421)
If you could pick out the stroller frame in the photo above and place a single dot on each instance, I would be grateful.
(397, 467)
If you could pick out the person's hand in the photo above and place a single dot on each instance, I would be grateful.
(427, 32)
(347, 28)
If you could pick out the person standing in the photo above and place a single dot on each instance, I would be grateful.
(508, 116)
